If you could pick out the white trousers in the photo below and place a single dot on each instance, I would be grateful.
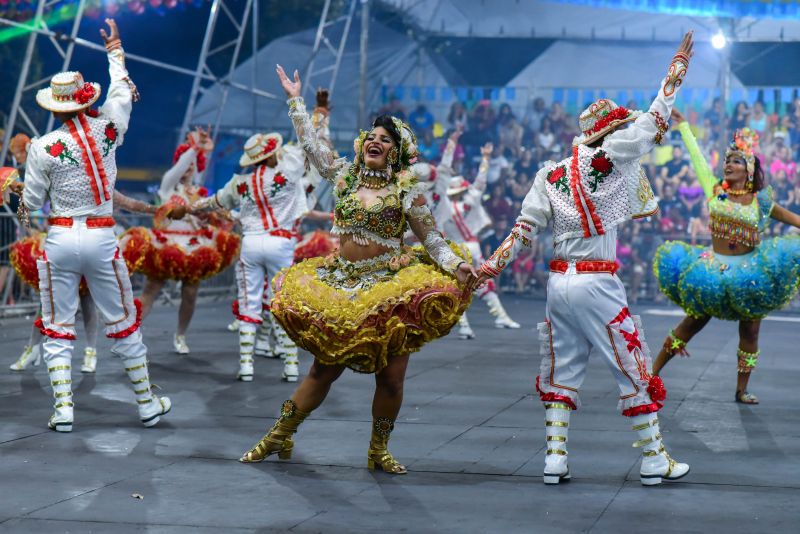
(91, 253)
(588, 311)
(262, 255)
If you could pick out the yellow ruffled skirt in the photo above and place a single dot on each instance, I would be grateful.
(359, 314)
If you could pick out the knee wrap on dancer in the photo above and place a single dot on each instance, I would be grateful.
(747, 360)
(674, 345)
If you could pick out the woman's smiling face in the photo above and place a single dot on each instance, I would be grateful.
(377, 145)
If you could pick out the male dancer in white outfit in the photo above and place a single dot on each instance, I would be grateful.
(459, 208)
(271, 200)
(75, 167)
(587, 196)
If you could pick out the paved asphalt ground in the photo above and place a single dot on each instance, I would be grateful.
(470, 431)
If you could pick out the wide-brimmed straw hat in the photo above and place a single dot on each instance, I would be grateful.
(600, 118)
(458, 184)
(259, 147)
(68, 93)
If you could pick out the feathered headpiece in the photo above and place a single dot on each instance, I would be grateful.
(744, 144)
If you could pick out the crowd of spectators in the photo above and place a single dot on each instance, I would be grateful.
(523, 142)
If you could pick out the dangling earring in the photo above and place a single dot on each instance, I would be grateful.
(394, 153)
(748, 185)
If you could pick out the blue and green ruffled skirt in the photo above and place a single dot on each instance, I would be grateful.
(733, 288)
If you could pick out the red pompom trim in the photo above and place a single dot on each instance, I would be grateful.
(51, 333)
(554, 397)
(643, 409)
(132, 328)
(235, 309)
(656, 389)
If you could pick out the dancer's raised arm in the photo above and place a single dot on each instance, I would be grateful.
(649, 128)
(318, 152)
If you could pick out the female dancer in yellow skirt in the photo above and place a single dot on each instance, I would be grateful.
(375, 302)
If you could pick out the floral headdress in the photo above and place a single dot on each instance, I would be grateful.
(744, 144)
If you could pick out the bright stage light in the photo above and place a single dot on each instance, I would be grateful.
(719, 41)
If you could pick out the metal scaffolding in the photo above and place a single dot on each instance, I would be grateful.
(235, 12)
(325, 57)
(223, 15)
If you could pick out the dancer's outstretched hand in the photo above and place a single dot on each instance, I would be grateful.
(292, 88)
(687, 45)
(466, 274)
(109, 39)
(677, 116)
(479, 281)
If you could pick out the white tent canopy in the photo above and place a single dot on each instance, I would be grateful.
(393, 59)
(613, 67)
(556, 20)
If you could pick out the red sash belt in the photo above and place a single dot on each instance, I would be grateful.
(587, 266)
(280, 232)
(91, 222)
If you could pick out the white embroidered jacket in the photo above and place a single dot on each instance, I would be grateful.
(462, 220)
(75, 165)
(588, 194)
(270, 199)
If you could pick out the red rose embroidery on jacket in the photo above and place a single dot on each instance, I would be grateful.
(111, 134)
(59, 150)
(601, 166)
(278, 183)
(558, 177)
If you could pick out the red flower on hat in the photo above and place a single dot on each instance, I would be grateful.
(84, 94)
(270, 146)
(194, 241)
(202, 191)
(614, 115)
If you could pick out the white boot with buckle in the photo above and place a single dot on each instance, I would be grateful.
(30, 357)
(556, 468)
(89, 360)
(247, 337)
(502, 320)
(263, 346)
(656, 463)
(60, 371)
(151, 407)
(464, 329)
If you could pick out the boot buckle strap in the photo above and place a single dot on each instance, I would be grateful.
(647, 441)
(557, 423)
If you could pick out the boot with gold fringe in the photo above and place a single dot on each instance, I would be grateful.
(279, 438)
(378, 454)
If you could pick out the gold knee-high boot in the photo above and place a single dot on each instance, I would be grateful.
(279, 438)
(378, 454)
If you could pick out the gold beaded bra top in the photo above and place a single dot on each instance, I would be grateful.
(740, 223)
(383, 221)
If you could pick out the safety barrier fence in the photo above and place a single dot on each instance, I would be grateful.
(17, 298)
